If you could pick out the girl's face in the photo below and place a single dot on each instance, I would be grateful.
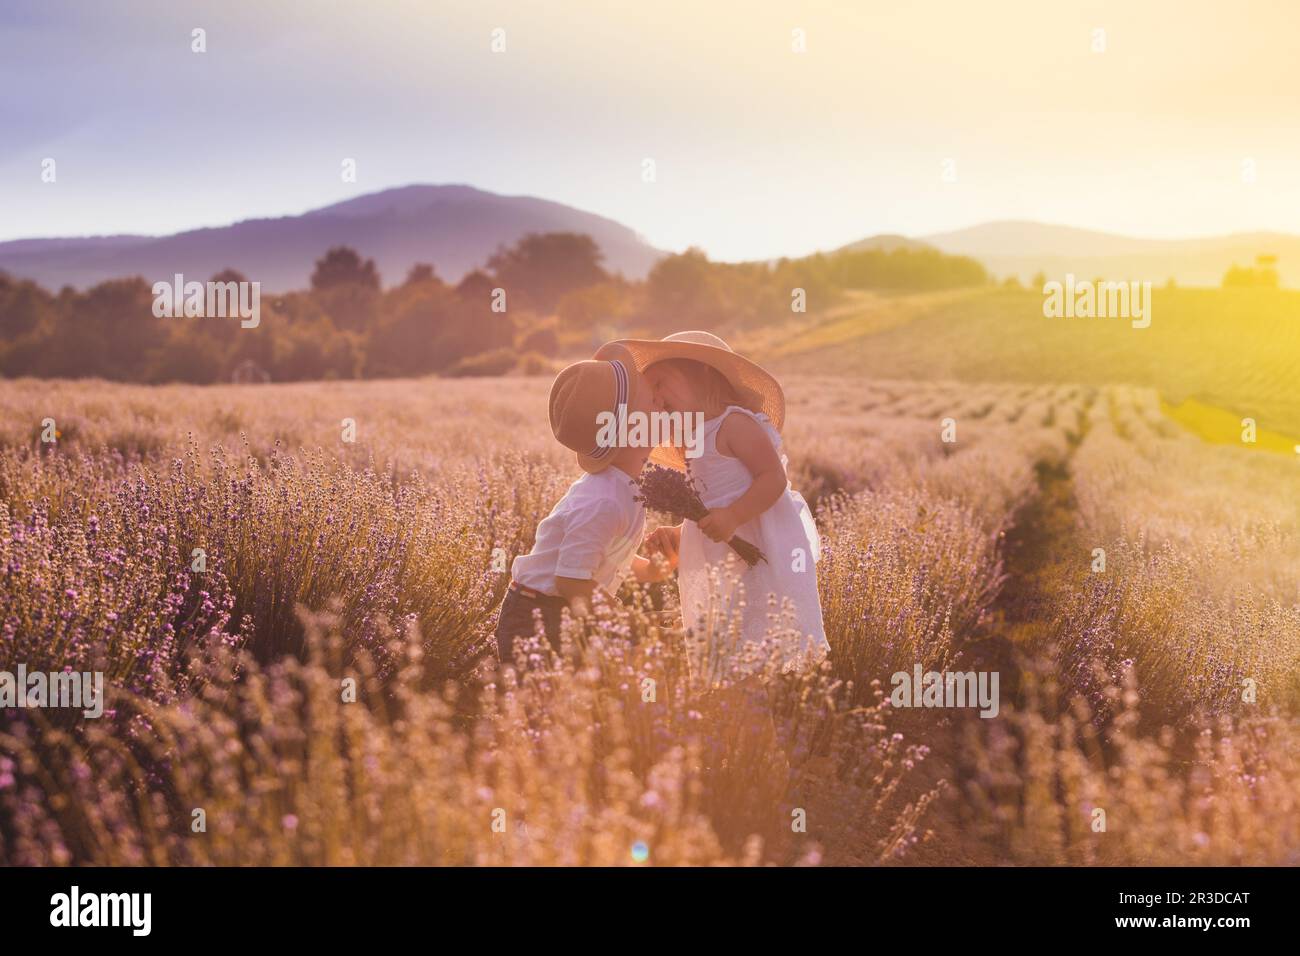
(673, 388)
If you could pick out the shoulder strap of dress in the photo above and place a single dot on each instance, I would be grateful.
(759, 417)
(743, 410)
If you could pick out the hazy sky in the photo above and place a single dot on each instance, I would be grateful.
(759, 151)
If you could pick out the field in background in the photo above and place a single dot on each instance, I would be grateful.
(1122, 682)
(1237, 350)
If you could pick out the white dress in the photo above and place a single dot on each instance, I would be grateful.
(743, 617)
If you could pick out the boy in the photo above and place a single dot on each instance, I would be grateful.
(590, 537)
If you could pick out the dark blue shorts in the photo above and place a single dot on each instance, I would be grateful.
(516, 620)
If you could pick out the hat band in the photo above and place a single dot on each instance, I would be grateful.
(620, 405)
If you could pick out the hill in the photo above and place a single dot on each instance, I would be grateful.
(1022, 249)
(454, 227)
(886, 242)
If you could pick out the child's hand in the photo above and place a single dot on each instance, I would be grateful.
(664, 544)
(666, 539)
(720, 524)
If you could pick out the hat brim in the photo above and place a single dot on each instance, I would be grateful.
(757, 388)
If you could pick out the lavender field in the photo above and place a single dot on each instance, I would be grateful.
(320, 689)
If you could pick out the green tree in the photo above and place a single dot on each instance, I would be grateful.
(684, 291)
(541, 267)
(421, 272)
(342, 265)
(543, 341)
(583, 309)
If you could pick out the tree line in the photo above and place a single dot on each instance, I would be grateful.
(546, 294)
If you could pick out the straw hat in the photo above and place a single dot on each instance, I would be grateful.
(582, 391)
(757, 388)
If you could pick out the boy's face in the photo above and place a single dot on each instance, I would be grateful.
(645, 402)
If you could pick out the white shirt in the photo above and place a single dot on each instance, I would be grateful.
(590, 534)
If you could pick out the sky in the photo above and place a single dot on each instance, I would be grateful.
(1180, 119)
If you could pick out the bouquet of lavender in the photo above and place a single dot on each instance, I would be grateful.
(670, 491)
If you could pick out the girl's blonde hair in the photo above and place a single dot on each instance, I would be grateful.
(716, 393)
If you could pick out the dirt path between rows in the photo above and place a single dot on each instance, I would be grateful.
(1039, 553)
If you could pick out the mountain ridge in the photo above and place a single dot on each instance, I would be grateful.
(1023, 248)
(454, 226)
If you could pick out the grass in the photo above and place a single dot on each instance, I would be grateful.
(1222, 427)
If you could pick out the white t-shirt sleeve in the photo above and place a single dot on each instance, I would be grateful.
(588, 534)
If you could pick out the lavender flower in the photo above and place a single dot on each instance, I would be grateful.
(671, 491)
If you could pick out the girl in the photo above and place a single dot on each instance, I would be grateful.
(740, 476)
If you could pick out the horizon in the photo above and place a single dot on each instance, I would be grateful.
(969, 227)
(1169, 131)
